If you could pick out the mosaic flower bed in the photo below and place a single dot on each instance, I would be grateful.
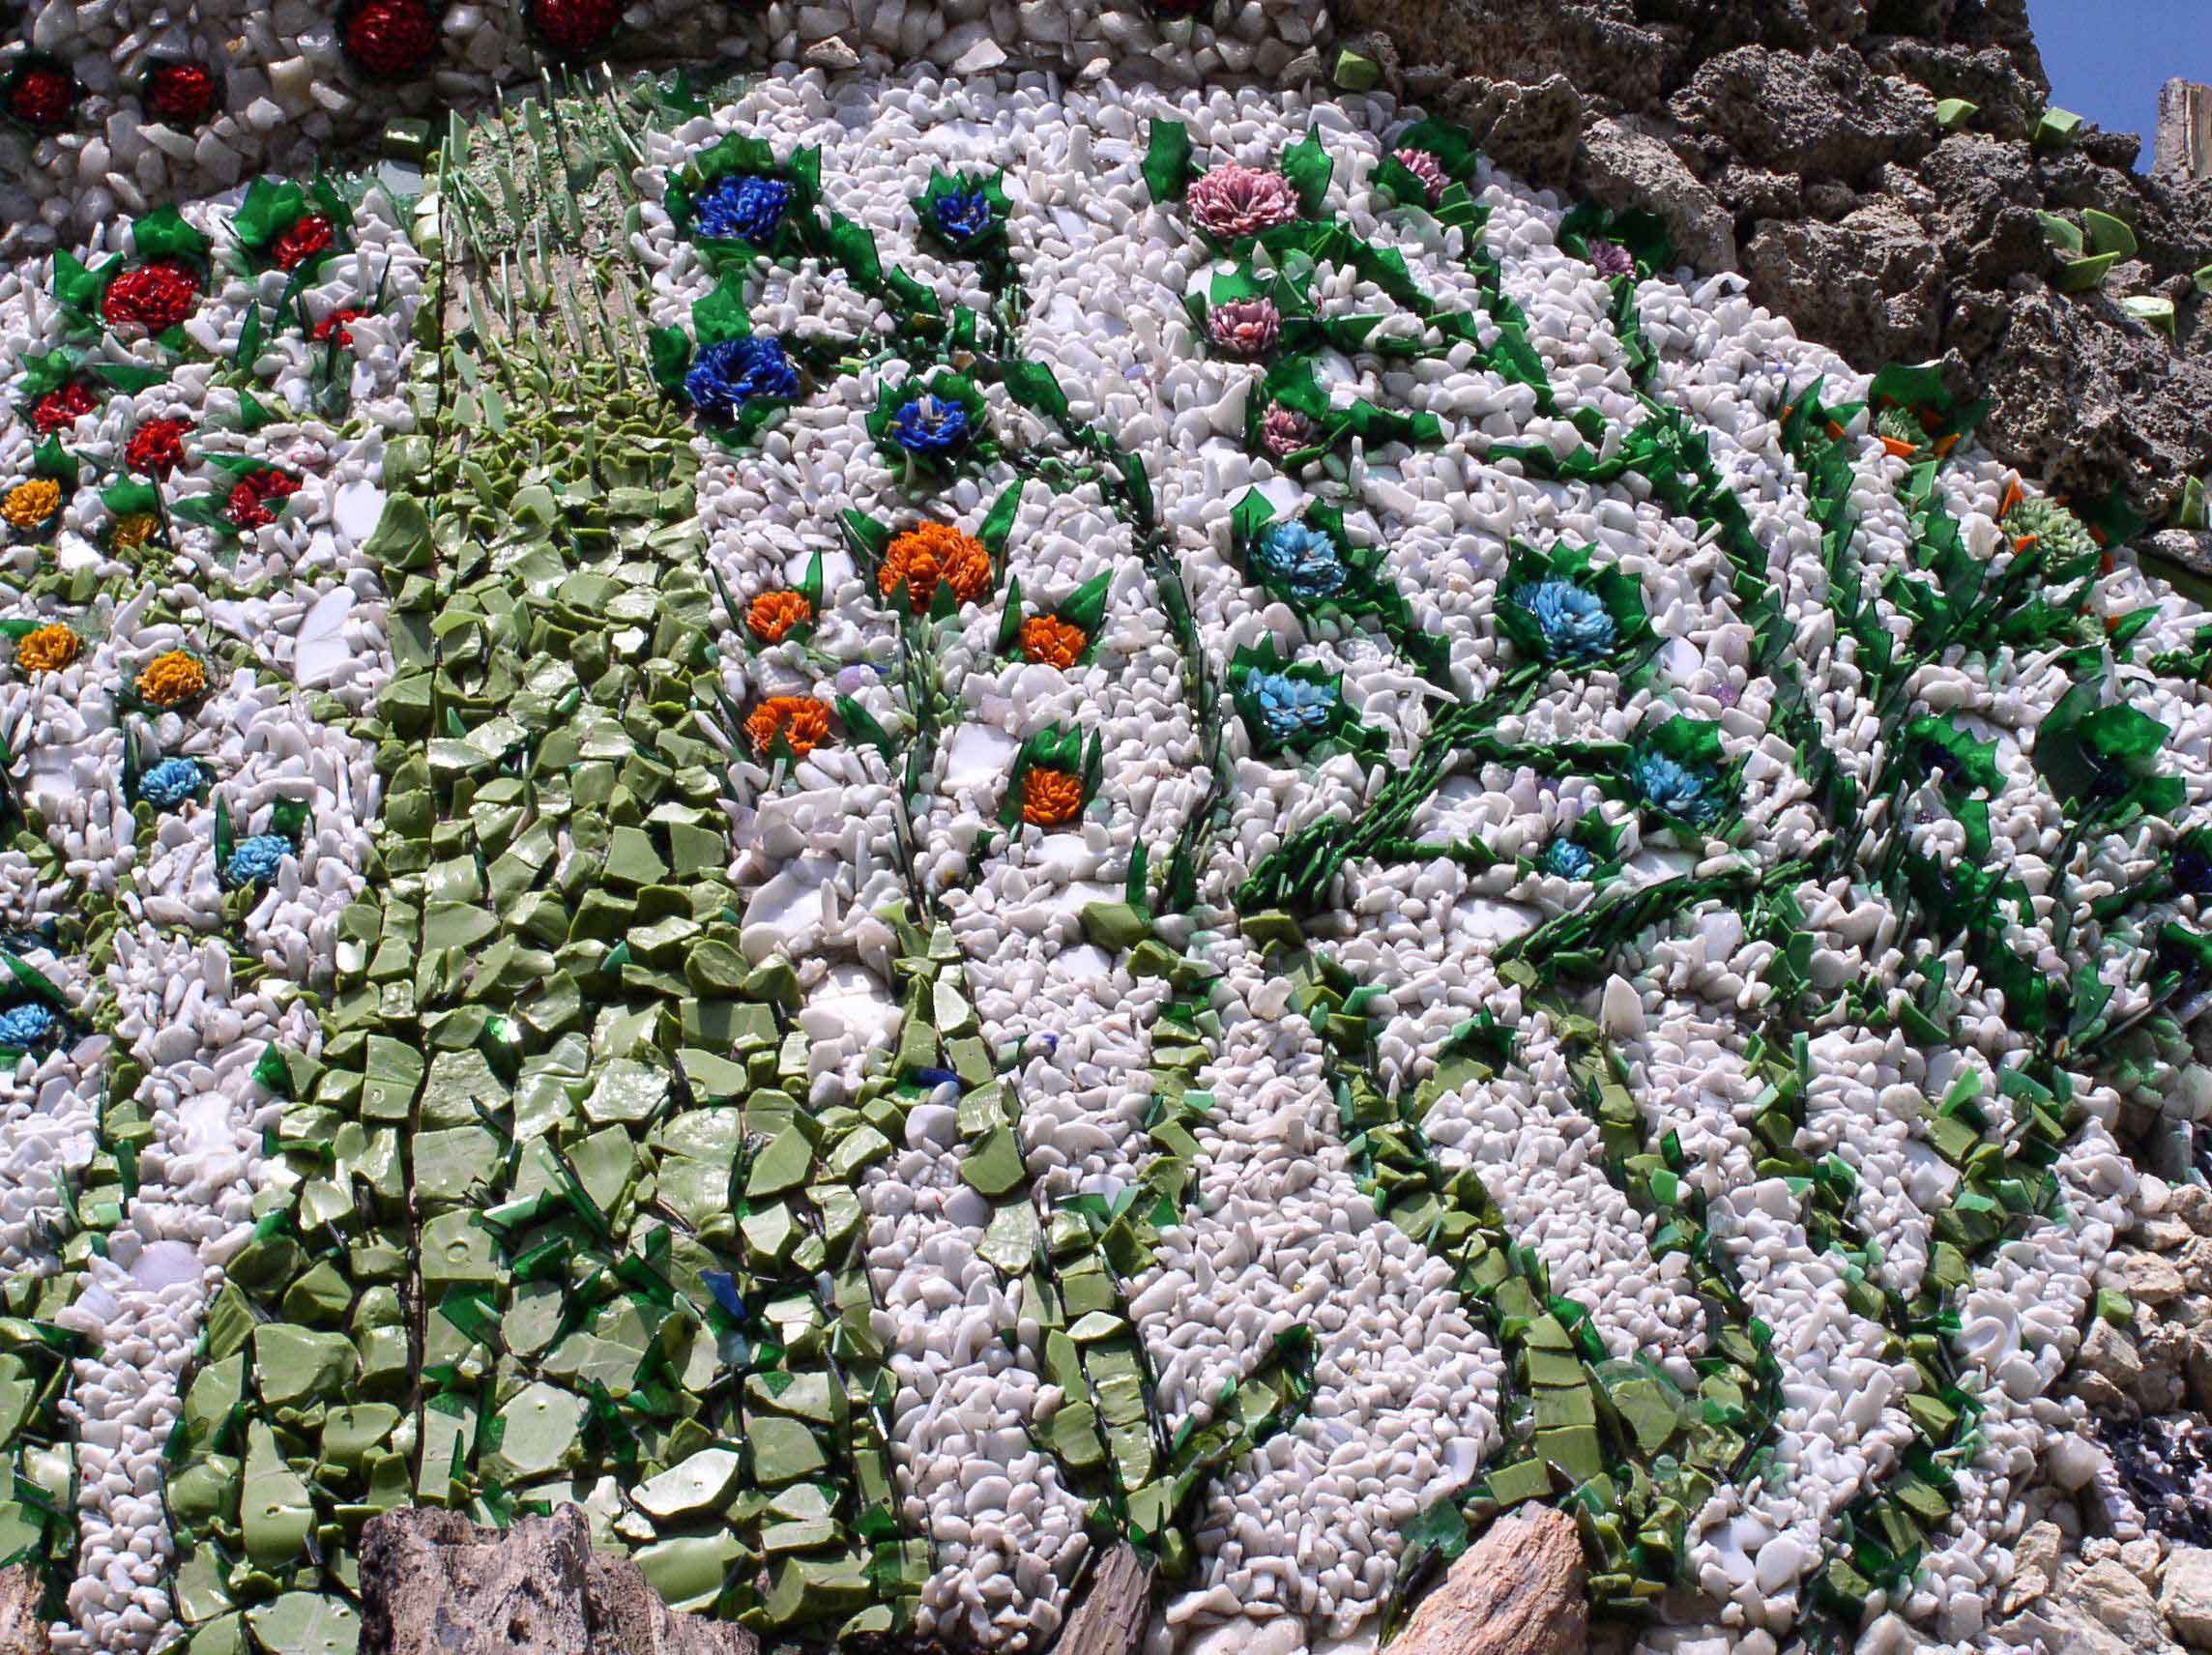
(900, 826)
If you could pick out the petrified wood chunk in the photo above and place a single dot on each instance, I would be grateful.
(1520, 1590)
(434, 1583)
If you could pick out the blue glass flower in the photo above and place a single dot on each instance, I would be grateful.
(1575, 623)
(1567, 860)
(255, 860)
(1291, 707)
(963, 215)
(929, 425)
(26, 1026)
(1302, 558)
(1673, 789)
(2193, 869)
(726, 375)
(172, 781)
(744, 207)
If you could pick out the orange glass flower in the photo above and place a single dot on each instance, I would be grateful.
(49, 649)
(29, 505)
(1052, 642)
(773, 614)
(920, 558)
(1050, 799)
(798, 720)
(171, 680)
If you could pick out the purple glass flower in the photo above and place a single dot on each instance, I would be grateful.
(1232, 202)
(1284, 431)
(1611, 258)
(1428, 169)
(1248, 327)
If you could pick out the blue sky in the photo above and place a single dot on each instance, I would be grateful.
(2108, 58)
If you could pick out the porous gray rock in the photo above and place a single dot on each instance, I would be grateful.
(434, 1583)
(1534, 130)
(1518, 1590)
(1874, 276)
(2186, 549)
(22, 1624)
(1628, 170)
(1826, 115)
(2085, 395)
(1599, 44)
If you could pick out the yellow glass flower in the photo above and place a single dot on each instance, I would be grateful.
(32, 505)
(133, 530)
(49, 650)
(171, 680)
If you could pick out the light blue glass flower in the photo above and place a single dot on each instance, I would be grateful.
(1567, 860)
(254, 861)
(27, 1026)
(1291, 707)
(726, 375)
(1674, 790)
(743, 207)
(1302, 558)
(1574, 620)
(929, 425)
(172, 781)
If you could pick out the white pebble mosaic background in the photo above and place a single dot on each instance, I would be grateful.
(1298, 1546)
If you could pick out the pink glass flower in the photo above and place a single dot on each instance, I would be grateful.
(1428, 169)
(1233, 201)
(1611, 258)
(1248, 328)
(1284, 431)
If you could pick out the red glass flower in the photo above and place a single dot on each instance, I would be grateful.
(248, 507)
(60, 408)
(157, 447)
(41, 97)
(390, 38)
(573, 28)
(180, 94)
(308, 237)
(156, 296)
(338, 323)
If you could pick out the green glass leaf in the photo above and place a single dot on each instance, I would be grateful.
(671, 353)
(999, 523)
(1167, 161)
(163, 234)
(719, 316)
(1306, 163)
(130, 376)
(2056, 127)
(270, 207)
(2106, 234)
(1034, 386)
(304, 1623)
